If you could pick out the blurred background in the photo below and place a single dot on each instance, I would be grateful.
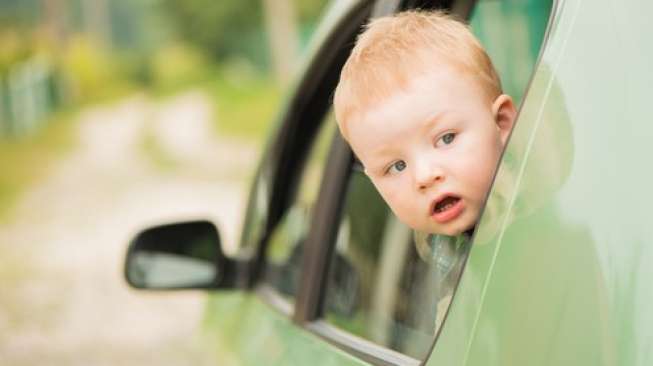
(116, 115)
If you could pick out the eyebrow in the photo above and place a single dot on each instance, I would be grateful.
(424, 127)
(434, 119)
(426, 124)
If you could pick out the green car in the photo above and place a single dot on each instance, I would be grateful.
(557, 270)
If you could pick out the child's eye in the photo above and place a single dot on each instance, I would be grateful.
(396, 167)
(446, 139)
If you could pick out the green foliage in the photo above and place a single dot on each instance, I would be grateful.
(176, 66)
(219, 27)
(13, 49)
(233, 28)
(18, 13)
(308, 11)
(245, 101)
(92, 71)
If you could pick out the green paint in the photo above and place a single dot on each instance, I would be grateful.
(248, 331)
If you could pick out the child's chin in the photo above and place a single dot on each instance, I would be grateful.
(438, 231)
(451, 230)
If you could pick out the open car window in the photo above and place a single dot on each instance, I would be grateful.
(381, 286)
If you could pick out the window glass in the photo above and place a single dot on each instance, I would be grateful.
(511, 32)
(385, 285)
(284, 251)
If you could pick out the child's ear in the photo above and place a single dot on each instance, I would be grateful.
(504, 112)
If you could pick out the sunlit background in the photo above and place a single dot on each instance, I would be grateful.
(116, 115)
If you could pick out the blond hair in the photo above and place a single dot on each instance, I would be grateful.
(393, 50)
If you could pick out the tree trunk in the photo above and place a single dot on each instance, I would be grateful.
(282, 36)
(97, 20)
(54, 24)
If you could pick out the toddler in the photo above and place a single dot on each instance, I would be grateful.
(421, 106)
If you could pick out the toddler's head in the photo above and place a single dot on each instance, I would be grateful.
(422, 107)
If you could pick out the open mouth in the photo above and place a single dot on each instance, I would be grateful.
(445, 204)
(447, 208)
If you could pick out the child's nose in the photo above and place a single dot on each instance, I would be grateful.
(427, 176)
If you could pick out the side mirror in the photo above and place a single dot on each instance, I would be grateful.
(185, 255)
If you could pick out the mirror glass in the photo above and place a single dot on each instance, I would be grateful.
(182, 255)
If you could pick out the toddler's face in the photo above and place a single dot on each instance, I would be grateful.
(431, 150)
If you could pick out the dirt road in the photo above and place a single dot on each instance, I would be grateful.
(64, 300)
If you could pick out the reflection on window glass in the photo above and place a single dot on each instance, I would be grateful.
(286, 241)
(309, 13)
(511, 32)
(380, 286)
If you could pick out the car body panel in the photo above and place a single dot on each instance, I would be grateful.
(245, 330)
(558, 274)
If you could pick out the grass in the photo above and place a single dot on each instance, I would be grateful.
(245, 107)
(26, 160)
(245, 101)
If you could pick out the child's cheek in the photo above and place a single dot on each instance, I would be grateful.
(479, 174)
(391, 189)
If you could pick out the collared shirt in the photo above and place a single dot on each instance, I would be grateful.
(446, 256)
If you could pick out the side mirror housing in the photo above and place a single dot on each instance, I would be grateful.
(186, 255)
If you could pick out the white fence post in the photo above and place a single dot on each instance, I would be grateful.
(28, 100)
